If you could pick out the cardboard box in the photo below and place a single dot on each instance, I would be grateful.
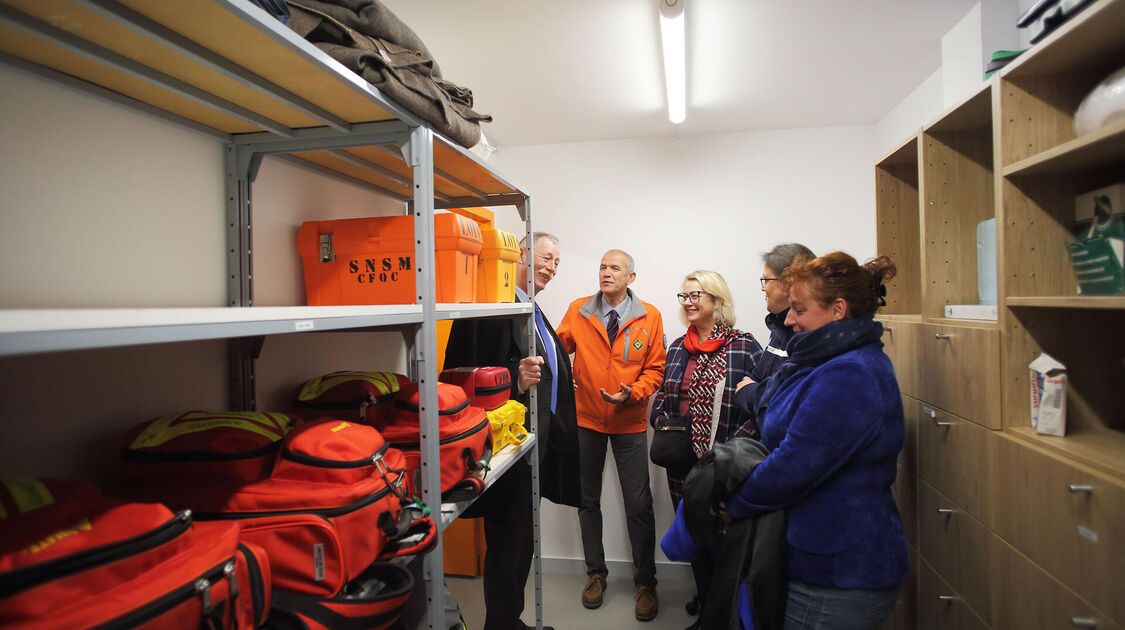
(1048, 395)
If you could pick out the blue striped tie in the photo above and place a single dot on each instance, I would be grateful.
(612, 326)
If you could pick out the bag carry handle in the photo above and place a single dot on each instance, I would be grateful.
(716, 410)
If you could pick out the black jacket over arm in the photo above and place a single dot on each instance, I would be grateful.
(503, 342)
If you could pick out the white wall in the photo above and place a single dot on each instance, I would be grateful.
(713, 201)
(104, 207)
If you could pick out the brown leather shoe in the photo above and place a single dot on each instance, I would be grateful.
(593, 592)
(647, 604)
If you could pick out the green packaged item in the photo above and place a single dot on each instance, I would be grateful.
(1098, 253)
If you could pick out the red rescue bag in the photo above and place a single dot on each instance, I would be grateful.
(366, 397)
(328, 507)
(373, 600)
(218, 445)
(487, 387)
(464, 436)
(93, 561)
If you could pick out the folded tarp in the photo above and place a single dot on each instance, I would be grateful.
(369, 40)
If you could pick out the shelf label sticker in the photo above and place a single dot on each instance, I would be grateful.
(307, 324)
(454, 314)
(1088, 534)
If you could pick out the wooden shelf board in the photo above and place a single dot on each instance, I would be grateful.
(905, 153)
(1088, 38)
(973, 113)
(1112, 302)
(1099, 450)
(1103, 147)
(895, 317)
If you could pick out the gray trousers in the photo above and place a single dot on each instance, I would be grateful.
(630, 452)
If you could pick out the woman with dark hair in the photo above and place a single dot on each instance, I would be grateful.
(834, 427)
(774, 263)
(700, 374)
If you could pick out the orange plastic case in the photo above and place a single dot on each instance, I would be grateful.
(500, 252)
(371, 260)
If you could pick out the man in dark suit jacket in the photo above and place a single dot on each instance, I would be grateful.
(506, 506)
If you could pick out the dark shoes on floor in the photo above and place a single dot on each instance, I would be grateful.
(647, 604)
(594, 591)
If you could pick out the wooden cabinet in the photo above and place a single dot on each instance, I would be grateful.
(958, 370)
(1069, 521)
(956, 545)
(954, 456)
(1054, 507)
(1044, 602)
(940, 607)
(900, 343)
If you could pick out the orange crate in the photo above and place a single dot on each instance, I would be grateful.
(371, 260)
(496, 279)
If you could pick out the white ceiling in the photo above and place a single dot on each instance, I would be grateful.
(552, 72)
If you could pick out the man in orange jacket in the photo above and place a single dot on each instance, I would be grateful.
(618, 346)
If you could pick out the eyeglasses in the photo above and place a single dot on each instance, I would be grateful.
(765, 280)
(692, 297)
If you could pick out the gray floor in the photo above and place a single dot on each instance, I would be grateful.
(562, 605)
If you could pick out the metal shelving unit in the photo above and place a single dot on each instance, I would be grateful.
(227, 69)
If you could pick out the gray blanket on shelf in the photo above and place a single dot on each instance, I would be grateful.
(369, 40)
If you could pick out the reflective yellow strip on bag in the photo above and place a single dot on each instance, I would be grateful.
(273, 426)
(29, 494)
(385, 382)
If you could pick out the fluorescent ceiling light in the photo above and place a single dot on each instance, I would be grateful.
(675, 61)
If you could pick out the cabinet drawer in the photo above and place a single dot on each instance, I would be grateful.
(959, 371)
(939, 607)
(1026, 597)
(900, 342)
(1068, 521)
(905, 490)
(956, 546)
(908, 458)
(954, 456)
(905, 614)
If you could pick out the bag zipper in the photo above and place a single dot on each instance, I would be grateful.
(320, 462)
(413, 446)
(324, 513)
(197, 456)
(200, 587)
(256, 586)
(411, 407)
(34, 575)
(495, 389)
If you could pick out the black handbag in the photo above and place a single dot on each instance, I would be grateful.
(671, 443)
(671, 437)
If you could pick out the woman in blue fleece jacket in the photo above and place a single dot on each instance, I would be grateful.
(834, 427)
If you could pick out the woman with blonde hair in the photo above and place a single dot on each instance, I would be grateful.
(701, 373)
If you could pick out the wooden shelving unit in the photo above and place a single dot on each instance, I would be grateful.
(1044, 512)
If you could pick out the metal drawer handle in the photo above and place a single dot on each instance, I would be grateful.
(946, 511)
(942, 336)
(1084, 622)
(947, 598)
(1080, 488)
(942, 424)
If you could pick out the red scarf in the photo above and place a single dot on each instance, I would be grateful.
(711, 365)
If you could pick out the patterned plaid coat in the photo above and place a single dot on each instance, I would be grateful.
(742, 354)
